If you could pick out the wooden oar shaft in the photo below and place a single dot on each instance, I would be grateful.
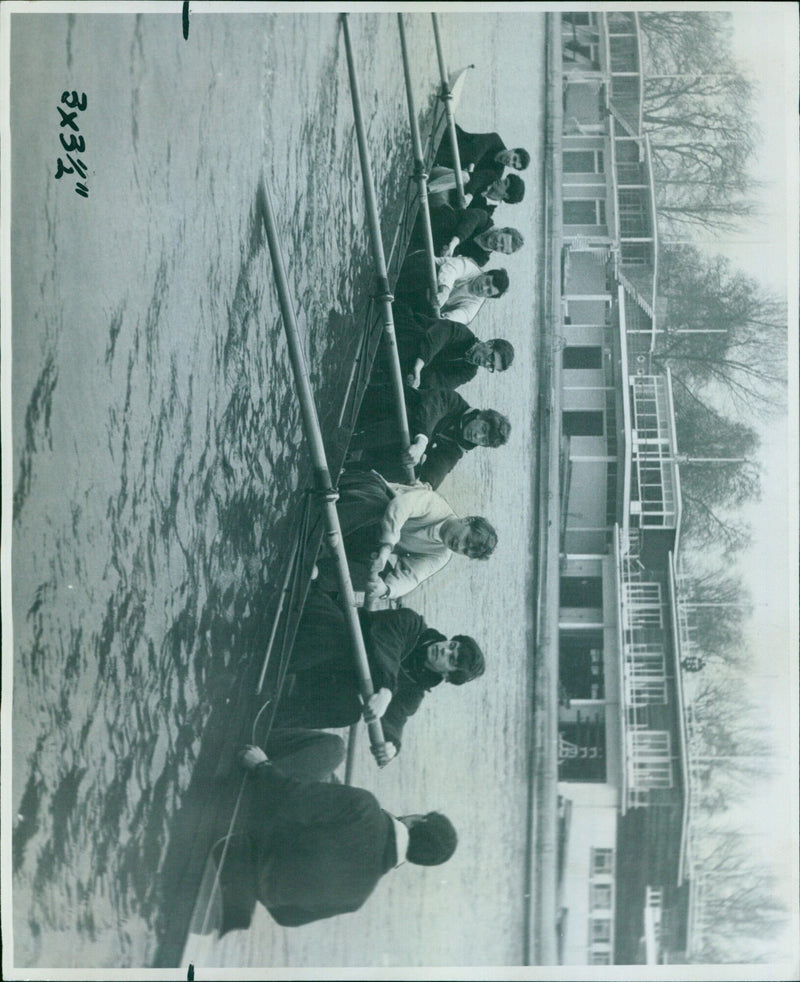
(350, 761)
(384, 297)
(322, 475)
(419, 164)
(447, 96)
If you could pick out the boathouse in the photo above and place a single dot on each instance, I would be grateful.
(622, 758)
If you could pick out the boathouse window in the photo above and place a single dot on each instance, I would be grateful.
(581, 591)
(602, 861)
(601, 896)
(635, 253)
(580, 665)
(601, 930)
(582, 422)
(580, 18)
(582, 746)
(634, 214)
(582, 356)
(584, 212)
(582, 162)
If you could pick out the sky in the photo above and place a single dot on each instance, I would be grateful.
(765, 43)
(769, 251)
(761, 29)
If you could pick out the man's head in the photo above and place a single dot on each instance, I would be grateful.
(431, 838)
(492, 283)
(518, 158)
(486, 428)
(472, 537)
(458, 660)
(495, 355)
(505, 240)
(510, 189)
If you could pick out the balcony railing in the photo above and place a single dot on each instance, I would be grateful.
(655, 495)
(643, 680)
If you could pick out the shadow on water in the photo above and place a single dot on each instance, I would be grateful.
(209, 803)
(37, 428)
(225, 640)
(27, 820)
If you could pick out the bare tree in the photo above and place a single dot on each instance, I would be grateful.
(719, 471)
(738, 903)
(728, 753)
(697, 110)
(682, 40)
(718, 606)
(723, 329)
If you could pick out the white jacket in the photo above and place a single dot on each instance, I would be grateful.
(411, 526)
(454, 275)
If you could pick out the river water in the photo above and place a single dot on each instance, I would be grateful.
(158, 461)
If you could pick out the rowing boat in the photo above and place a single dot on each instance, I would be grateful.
(191, 906)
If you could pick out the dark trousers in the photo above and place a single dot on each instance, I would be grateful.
(363, 499)
(413, 284)
(306, 755)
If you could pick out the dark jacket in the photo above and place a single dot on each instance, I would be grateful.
(472, 250)
(434, 413)
(483, 204)
(477, 185)
(480, 180)
(446, 367)
(479, 149)
(326, 687)
(321, 848)
(466, 223)
(446, 222)
(446, 447)
(441, 344)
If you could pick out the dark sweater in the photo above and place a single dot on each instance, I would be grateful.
(321, 848)
(434, 413)
(479, 149)
(326, 687)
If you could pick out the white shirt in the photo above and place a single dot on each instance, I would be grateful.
(400, 840)
(455, 302)
(412, 526)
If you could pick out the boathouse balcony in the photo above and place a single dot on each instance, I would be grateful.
(622, 49)
(655, 499)
(647, 681)
(609, 207)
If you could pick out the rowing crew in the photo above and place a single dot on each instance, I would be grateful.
(316, 849)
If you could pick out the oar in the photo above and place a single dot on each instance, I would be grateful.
(384, 296)
(322, 477)
(419, 167)
(447, 97)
